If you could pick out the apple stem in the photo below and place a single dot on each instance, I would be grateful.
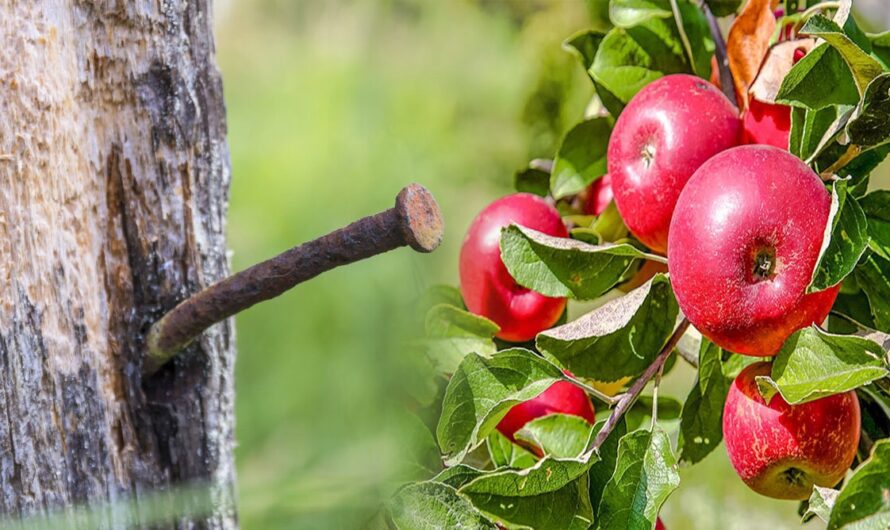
(852, 152)
(627, 399)
(596, 394)
(414, 221)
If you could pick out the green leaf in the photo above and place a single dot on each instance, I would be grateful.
(863, 66)
(809, 129)
(600, 472)
(585, 45)
(820, 503)
(568, 507)
(531, 180)
(559, 266)
(701, 423)
(480, 393)
(814, 364)
(859, 169)
(873, 276)
(880, 46)
(733, 363)
(434, 505)
(620, 338)
(628, 59)
(629, 13)
(421, 452)
(868, 126)
(821, 79)
(558, 435)
(645, 475)
(724, 8)
(876, 206)
(546, 476)
(844, 242)
(863, 501)
(452, 333)
(505, 453)
(581, 157)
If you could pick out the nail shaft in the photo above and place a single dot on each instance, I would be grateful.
(415, 221)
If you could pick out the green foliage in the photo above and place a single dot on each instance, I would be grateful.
(558, 435)
(629, 58)
(873, 277)
(482, 390)
(581, 157)
(813, 364)
(423, 504)
(862, 502)
(868, 124)
(557, 266)
(820, 503)
(863, 66)
(505, 453)
(531, 180)
(701, 424)
(645, 475)
(618, 339)
(724, 8)
(452, 333)
(819, 80)
(844, 244)
(876, 206)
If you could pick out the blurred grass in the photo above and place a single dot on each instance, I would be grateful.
(333, 107)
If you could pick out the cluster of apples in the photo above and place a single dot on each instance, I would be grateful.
(742, 227)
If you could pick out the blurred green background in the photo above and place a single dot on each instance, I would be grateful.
(333, 107)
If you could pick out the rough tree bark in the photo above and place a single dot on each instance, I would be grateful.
(114, 178)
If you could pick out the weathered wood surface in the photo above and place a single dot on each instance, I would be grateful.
(114, 177)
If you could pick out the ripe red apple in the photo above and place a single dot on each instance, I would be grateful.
(767, 124)
(780, 450)
(744, 242)
(599, 195)
(486, 285)
(562, 397)
(659, 525)
(670, 128)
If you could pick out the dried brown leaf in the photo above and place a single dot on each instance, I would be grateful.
(748, 43)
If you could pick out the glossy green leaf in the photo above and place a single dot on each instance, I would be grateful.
(863, 66)
(618, 339)
(558, 435)
(505, 453)
(845, 240)
(629, 13)
(581, 157)
(628, 59)
(452, 333)
(480, 393)
(559, 266)
(819, 80)
(566, 508)
(814, 364)
(809, 128)
(585, 45)
(873, 276)
(880, 46)
(645, 475)
(600, 472)
(876, 206)
(863, 501)
(701, 423)
(868, 126)
(434, 505)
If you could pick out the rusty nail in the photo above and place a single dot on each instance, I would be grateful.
(415, 221)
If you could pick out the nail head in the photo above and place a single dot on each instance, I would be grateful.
(420, 218)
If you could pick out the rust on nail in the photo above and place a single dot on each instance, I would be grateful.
(414, 221)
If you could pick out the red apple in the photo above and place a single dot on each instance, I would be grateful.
(767, 124)
(659, 525)
(599, 195)
(487, 287)
(562, 397)
(670, 128)
(780, 450)
(744, 242)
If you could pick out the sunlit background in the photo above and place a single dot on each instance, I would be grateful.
(333, 107)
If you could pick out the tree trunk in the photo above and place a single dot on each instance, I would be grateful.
(114, 177)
